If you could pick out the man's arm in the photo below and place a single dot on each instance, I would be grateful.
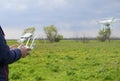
(8, 56)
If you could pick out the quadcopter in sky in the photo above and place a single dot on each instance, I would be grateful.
(108, 22)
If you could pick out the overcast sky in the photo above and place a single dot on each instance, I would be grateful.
(71, 17)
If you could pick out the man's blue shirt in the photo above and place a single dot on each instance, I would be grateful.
(7, 56)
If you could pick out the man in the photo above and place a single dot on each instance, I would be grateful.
(9, 55)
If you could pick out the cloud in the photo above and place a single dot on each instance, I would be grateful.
(12, 5)
(22, 5)
(69, 16)
(52, 4)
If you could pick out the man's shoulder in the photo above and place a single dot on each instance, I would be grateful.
(1, 31)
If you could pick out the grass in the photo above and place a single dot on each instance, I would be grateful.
(69, 61)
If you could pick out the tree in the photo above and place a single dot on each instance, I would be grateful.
(104, 34)
(84, 39)
(58, 38)
(101, 36)
(29, 30)
(52, 33)
(108, 33)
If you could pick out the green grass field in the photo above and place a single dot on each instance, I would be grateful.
(69, 61)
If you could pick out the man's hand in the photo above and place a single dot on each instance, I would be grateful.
(12, 47)
(24, 50)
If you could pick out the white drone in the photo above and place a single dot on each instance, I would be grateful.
(108, 22)
(27, 37)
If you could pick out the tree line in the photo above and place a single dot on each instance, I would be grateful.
(53, 36)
